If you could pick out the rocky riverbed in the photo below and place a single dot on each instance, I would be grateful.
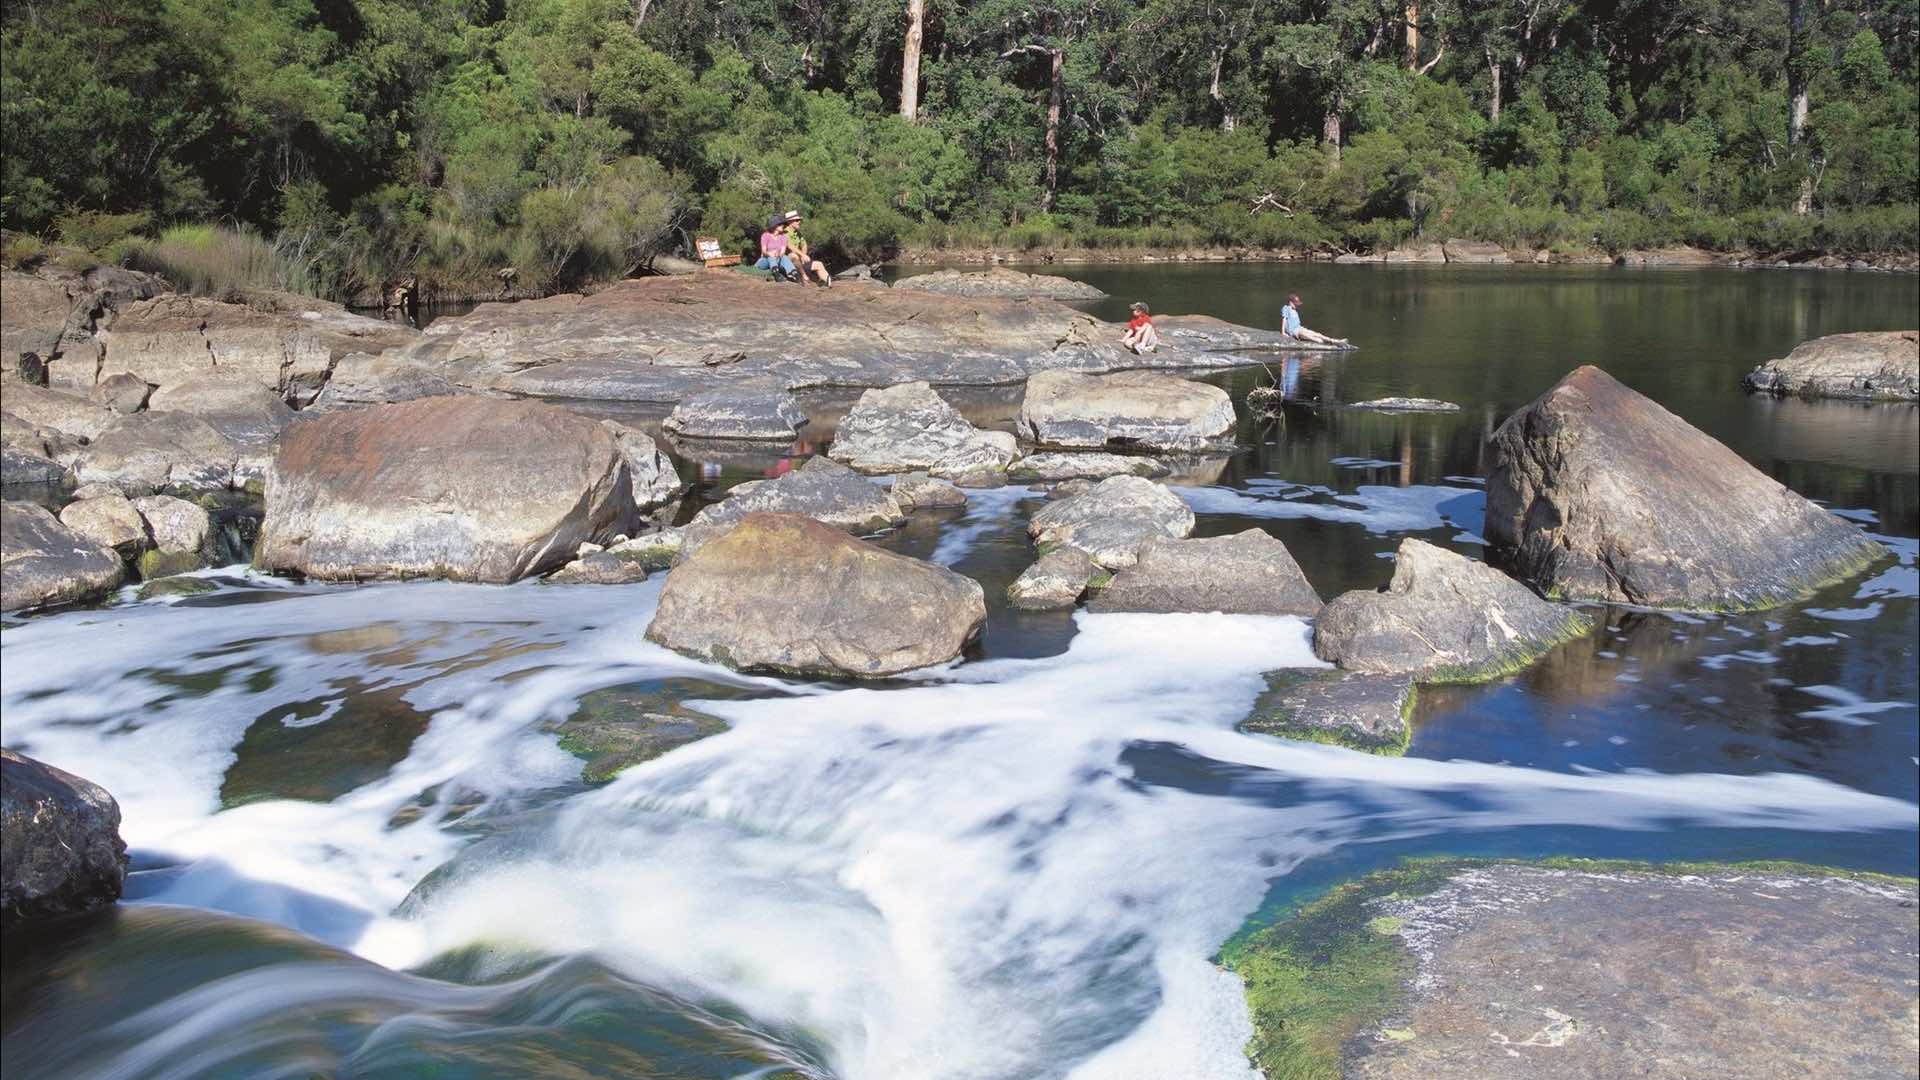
(922, 658)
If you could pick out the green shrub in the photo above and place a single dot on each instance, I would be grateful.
(92, 230)
(1880, 230)
(20, 250)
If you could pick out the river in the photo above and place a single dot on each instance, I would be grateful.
(360, 848)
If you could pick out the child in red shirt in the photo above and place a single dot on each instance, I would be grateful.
(1141, 336)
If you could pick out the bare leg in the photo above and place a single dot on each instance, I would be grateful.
(1317, 338)
(1149, 338)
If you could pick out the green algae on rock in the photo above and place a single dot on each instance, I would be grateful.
(618, 727)
(1373, 713)
(1485, 969)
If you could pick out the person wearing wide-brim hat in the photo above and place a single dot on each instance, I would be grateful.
(774, 246)
(798, 244)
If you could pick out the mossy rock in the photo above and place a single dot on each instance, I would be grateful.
(619, 727)
(1336, 968)
(176, 586)
(1373, 713)
(160, 564)
(287, 754)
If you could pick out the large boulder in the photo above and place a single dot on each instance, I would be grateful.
(1881, 366)
(22, 466)
(68, 413)
(242, 411)
(468, 488)
(1443, 618)
(752, 410)
(108, 521)
(1474, 251)
(280, 341)
(42, 562)
(60, 846)
(1130, 409)
(151, 450)
(906, 427)
(823, 490)
(1247, 573)
(784, 593)
(1595, 492)
(1112, 521)
(1001, 282)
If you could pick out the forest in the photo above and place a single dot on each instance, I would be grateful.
(330, 145)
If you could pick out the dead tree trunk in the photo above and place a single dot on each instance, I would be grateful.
(1493, 103)
(1330, 127)
(1798, 99)
(1413, 36)
(1056, 95)
(910, 60)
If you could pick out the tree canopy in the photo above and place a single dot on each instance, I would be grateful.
(570, 137)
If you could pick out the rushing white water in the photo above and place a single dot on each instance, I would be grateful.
(968, 875)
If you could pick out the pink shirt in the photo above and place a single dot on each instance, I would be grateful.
(773, 243)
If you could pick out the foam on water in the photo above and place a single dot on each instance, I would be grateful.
(1376, 508)
(1017, 867)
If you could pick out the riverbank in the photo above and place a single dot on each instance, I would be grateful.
(1432, 254)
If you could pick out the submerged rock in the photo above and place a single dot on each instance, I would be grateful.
(918, 491)
(468, 488)
(1443, 618)
(43, 563)
(906, 427)
(1132, 409)
(785, 593)
(1346, 708)
(1113, 520)
(1001, 282)
(823, 490)
(60, 842)
(177, 585)
(618, 727)
(1406, 404)
(1873, 367)
(756, 410)
(1056, 580)
(1247, 573)
(1595, 492)
(1049, 466)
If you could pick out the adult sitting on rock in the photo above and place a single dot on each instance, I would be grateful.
(773, 249)
(1290, 325)
(803, 255)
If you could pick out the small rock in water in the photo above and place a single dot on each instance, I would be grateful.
(176, 524)
(757, 410)
(177, 585)
(655, 551)
(1358, 710)
(1053, 582)
(1132, 409)
(821, 489)
(1095, 466)
(1883, 366)
(908, 427)
(1444, 618)
(918, 491)
(60, 838)
(1406, 404)
(1112, 520)
(785, 593)
(600, 568)
(1247, 573)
